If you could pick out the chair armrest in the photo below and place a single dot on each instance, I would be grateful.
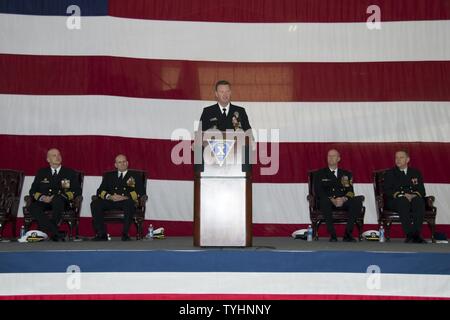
(429, 201)
(379, 199)
(361, 197)
(77, 201)
(142, 200)
(312, 201)
(28, 200)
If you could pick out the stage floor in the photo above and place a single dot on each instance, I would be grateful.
(259, 243)
(273, 268)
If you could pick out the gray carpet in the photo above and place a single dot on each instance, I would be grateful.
(259, 243)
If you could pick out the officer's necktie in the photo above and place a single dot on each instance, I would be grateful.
(224, 112)
(334, 173)
(121, 176)
(55, 172)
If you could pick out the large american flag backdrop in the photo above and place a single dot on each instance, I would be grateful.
(137, 70)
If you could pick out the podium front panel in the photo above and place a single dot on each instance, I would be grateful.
(223, 212)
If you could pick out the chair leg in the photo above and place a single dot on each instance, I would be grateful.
(13, 228)
(432, 226)
(387, 228)
(77, 222)
(317, 226)
(27, 224)
(314, 227)
(70, 224)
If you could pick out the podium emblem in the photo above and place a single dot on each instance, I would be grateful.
(220, 149)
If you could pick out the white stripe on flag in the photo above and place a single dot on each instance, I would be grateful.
(240, 42)
(158, 118)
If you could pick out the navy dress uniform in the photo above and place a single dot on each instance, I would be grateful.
(213, 118)
(130, 185)
(397, 183)
(63, 185)
(328, 185)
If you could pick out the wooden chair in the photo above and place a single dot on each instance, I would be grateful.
(11, 182)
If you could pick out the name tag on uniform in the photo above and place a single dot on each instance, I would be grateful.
(45, 181)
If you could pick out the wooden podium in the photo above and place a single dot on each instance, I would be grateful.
(223, 191)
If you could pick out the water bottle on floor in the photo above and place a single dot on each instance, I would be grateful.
(22, 231)
(309, 234)
(382, 239)
(150, 232)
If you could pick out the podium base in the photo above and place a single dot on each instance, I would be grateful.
(222, 222)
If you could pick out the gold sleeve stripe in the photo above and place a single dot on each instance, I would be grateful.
(103, 195)
(350, 194)
(396, 194)
(69, 195)
(418, 193)
(37, 195)
(133, 195)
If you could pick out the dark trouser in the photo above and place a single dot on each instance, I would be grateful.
(48, 224)
(98, 206)
(352, 205)
(407, 210)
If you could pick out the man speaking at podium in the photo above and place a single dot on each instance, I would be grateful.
(223, 115)
(223, 174)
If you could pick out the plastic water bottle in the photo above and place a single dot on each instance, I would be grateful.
(309, 234)
(22, 231)
(382, 239)
(150, 232)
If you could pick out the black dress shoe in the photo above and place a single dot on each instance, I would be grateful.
(125, 237)
(100, 237)
(418, 239)
(60, 236)
(333, 238)
(409, 238)
(348, 238)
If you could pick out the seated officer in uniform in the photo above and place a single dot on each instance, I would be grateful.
(120, 189)
(52, 189)
(405, 194)
(334, 189)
